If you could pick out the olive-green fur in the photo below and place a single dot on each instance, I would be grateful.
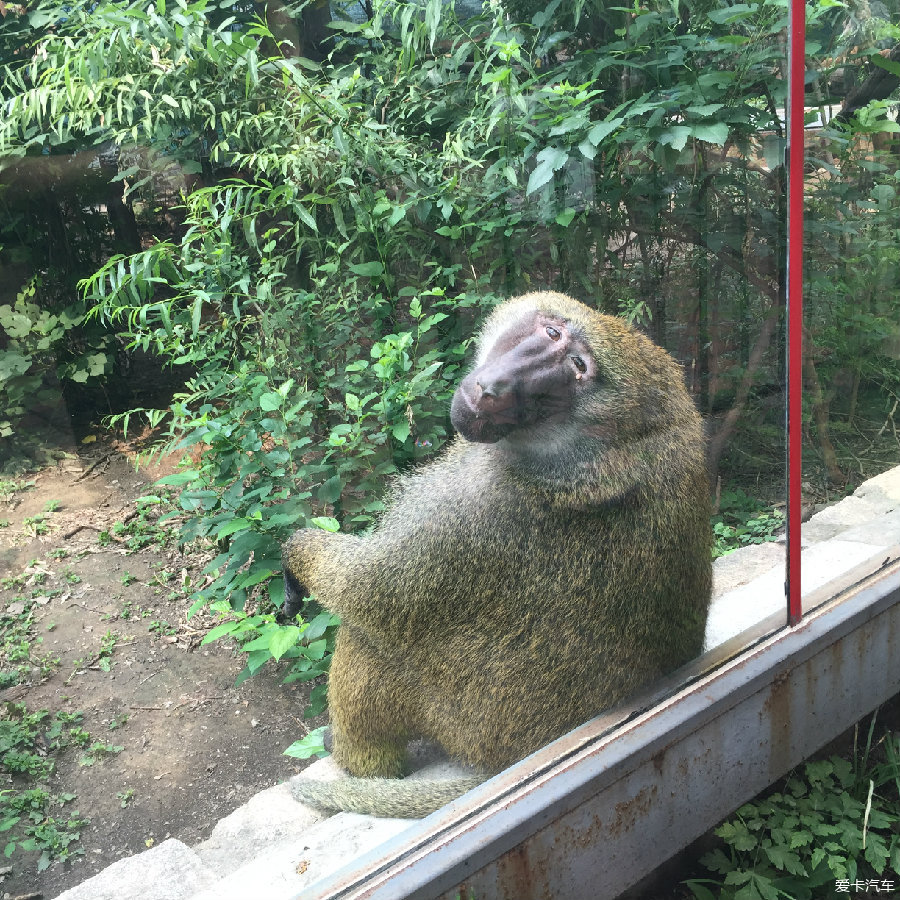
(511, 591)
(391, 797)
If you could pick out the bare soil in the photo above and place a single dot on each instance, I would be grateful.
(195, 746)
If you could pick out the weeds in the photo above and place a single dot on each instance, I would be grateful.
(29, 742)
(107, 646)
(10, 487)
(144, 530)
(742, 521)
(20, 659)
(97, 751)
(836, 820)
(35, 525)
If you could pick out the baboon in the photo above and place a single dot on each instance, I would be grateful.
(553, 560)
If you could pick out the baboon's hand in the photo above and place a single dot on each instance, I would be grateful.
(294, 595)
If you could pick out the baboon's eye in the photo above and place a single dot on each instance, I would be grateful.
(554, 334)
(580, 364)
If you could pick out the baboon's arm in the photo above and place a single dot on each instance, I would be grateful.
(317, 562)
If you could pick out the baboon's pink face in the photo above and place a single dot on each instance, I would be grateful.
(531, 375)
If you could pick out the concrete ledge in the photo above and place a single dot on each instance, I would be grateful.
(270, 819)
(285, 870)
(169, 871)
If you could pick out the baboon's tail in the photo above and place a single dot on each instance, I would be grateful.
(399, 798)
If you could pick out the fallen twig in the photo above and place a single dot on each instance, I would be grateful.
(196, 700)
(92, 466)
(890, 419)
(78, 528)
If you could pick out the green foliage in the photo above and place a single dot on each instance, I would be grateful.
(148, 528)
(322, 293)
(107, 647)
(832, 821)
(35, 525)
(312, 745)
(20, 649)
(29, 355)
(26, 810)
(98, 750)
(306, 647)
(855, 275)
(741, 521)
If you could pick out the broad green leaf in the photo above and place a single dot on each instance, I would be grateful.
(316, 650)
(312, 745)
(326, 523)
(729, 14)
(550, 160)
(179, 478)
(706, 109)
(331, 489)
(368, 269)
(676, 136)
(231, 527)
(587, 149)
(492, 76)
(319, 625)
(602, 129)
(257, 659)
(226, 628)
(889, 65)
(271, 401)
(713, 133)
(306, 217)
(400, 431)
(283, 639)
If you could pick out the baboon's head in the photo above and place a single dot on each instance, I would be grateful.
(546, 363)
(527, 373)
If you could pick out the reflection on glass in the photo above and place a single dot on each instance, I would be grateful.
(851, 374)
(272, 249)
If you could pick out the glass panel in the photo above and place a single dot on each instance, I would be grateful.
(275, 249)
(851, 371)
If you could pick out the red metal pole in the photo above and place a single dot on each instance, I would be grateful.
(796, 92)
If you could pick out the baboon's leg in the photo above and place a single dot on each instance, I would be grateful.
(368, 712)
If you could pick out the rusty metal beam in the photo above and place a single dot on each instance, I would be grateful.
(603, 806)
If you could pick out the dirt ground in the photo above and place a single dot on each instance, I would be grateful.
(195, 746)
